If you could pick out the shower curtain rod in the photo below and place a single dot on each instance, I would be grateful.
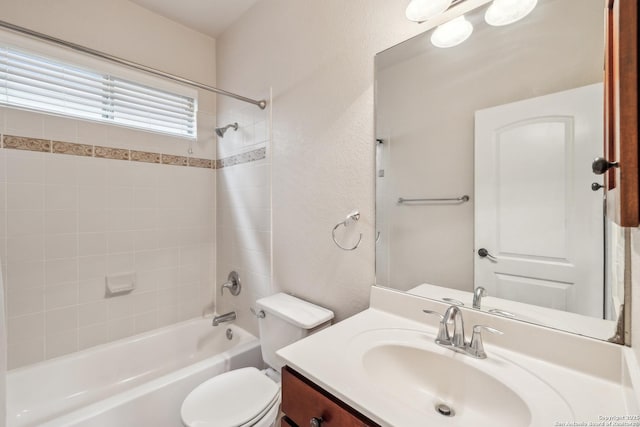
(3, 24)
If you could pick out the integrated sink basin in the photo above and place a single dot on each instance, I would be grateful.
(452, 389)
(385, 364)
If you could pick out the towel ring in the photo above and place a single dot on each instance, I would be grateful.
(352, 217)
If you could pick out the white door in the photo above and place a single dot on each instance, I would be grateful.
(535, 211)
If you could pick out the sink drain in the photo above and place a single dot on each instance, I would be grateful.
(445, 410)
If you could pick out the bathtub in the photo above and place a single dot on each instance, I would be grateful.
(138, 381)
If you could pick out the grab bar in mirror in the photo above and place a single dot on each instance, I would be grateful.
(461, 199)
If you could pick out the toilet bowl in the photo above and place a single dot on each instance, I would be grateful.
(249, 397)
(238, 398)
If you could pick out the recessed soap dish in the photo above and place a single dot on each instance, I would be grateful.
(120, 284)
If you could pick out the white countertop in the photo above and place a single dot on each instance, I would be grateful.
(588, 374)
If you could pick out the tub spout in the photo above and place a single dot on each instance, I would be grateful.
(223, 318)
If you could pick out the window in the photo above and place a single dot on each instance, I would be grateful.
(38, 83)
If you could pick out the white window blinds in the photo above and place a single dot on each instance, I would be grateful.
(37, 83)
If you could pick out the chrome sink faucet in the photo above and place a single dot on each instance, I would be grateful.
(478, 293)
(454, 339)
(453, 316)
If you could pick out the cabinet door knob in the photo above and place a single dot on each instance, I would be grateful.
(316, 422)
(600, 165)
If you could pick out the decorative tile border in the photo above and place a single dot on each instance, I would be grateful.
(30, 144)
(238, 159)
(169, 159)
(145, 156)
(60, 147)
(201, 163)
(71, 148)
(111, 153)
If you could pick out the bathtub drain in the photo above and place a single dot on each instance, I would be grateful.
(229, 334)
(445, 410)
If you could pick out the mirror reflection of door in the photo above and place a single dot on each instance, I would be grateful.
(536, 213)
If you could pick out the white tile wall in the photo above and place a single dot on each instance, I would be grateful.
(244, 213)
(66, 222)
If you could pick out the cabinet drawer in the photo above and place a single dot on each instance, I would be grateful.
(302, 401)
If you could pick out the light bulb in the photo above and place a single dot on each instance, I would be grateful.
(422, 10)
(452, 33)
(505, 12)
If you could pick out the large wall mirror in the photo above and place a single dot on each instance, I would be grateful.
(483, 170)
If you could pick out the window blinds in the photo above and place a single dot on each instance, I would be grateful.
(38, 83)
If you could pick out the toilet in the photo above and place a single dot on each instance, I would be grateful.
(249, 397)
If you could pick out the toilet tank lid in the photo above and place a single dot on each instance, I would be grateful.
(295, 311)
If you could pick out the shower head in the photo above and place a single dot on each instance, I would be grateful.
(220, 131)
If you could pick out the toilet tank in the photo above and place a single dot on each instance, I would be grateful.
(287, 319)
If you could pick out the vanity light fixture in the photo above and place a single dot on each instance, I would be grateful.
(505, 12)
(452, 33)
(423, 10)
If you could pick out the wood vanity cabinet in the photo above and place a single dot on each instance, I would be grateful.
(303, 401)
(621, 112)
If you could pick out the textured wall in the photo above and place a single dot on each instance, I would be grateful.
(318, 58)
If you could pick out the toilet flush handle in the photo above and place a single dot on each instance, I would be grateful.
(260, 314)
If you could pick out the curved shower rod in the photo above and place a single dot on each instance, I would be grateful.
(22, 30)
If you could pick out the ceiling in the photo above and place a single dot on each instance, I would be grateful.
(210, 17)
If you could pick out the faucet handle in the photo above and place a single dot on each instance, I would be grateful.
(443, 332)
(476, 348)
(232, 283)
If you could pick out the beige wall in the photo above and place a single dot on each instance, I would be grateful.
(120, 28)
(318, 58)
(66, 222)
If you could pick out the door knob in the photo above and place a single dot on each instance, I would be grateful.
(600, 165)
(483, 253)
(315, 422)
(595, 186)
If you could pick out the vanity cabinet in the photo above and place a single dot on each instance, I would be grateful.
(621, 112)
(305, 404)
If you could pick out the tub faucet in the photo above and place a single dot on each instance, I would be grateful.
(223, 318)
(478, 293)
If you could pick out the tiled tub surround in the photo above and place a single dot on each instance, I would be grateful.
(243, 209)
(67, 221)
(72, 212)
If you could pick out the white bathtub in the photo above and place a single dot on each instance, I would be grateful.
(138, 381)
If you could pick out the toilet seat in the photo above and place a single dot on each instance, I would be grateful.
(238, 398)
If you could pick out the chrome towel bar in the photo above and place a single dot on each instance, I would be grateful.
(461, 199)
